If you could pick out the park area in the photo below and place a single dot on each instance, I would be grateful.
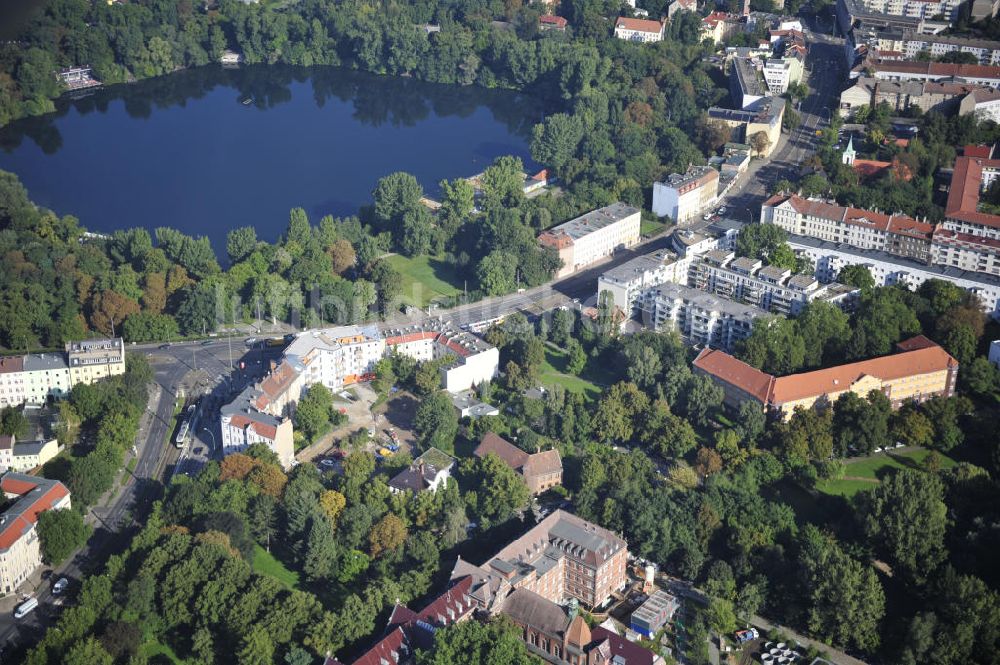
(866, 472)
(425, 279)
(553, 372)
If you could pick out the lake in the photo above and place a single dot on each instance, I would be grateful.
(209, 149)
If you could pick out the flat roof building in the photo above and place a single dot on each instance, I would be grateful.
(593, 236)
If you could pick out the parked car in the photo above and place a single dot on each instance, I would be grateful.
(164, 346)
(60, 586)
(384, 452)
(744, 636)
(328, 463)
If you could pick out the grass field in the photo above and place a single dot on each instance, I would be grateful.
(866, 473)
(649, 227)
(265, 564)
(425, 278)
(153, 649)
(554, 373)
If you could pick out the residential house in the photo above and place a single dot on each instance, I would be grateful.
(683, 197)
(20, 554)
(638, 29)
(540, 471)
(428, 472)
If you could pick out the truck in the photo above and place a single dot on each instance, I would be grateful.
(749, 635)
(25, 608)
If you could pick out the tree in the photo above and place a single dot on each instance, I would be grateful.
(703, 398)
(905, 515)
(982, 376)
(760, 142)
(314, 411)
(555, 140)
(332, 503)
(342, 255)
(436, 422)
(395, 195)
(577, 359)
(501, 491)
(60, 533)
(149, 327)
(321, 550)
(643, 365)
(88, 652)
(861, 425)
(388, 534)
(707, 462)
(502, 182)
(857, 275)
(845, 601)
(497, 642)
(618, 410)
(122, 639)
(417, 232)
(240, 243)
(257, 648)
(496, 273)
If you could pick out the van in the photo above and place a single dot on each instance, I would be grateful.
(25, 608)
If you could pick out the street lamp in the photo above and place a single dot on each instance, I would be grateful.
(211, 434)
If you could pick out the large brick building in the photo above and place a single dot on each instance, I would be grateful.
(540, 471)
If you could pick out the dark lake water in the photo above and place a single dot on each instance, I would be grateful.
(185, 150)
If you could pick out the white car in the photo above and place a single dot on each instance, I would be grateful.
(707, 216)
(327, 463)
(60, 586)
(722, 210)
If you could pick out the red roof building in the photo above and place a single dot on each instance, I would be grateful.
(19, 550)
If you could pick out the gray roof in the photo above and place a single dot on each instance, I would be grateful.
(594, 220)
(29, 447)
(659, 602)
(868, 255)
(746, 75)
(802, 282)
(530, 609)
(44, 361)
(708, 301)
(639, 265)
(243, 405)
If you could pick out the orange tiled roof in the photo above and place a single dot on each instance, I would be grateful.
(15, 528)
(736, 372)
(639, 24)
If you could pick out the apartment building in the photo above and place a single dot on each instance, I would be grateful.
(896, 70)
(983, 103)
(25, 455)
(593, 236)
(20, 554)
(745, 86)
(541, 470)
(864, 229)
(772, 289)
(779, 73)
(683, 197)
(341, 356)
(909, 44)
(915, 9)
(639, 30)
(90, 360)
(700, 318)
(36, 377)
(626, 282)
(243, 423)
(720, 26)
(972, 176)
(830, 258)
(919, 370)
(764, 116)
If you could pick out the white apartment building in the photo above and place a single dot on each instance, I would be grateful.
(26, 455)
(338, 357)
(915, 9)
(683, 197)
(20, 554)
(638, 30)
(699, 317)
(898, 70)
(593, 236)
(626, 282)
(779, 73)
(830, 258)
(45, 375)
(242, 424)
(772, 289)
(908, 44)
(983, 103)
(36, 377)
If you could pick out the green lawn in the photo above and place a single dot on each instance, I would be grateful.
(425, 278)
(153, 649)
(649, 227)
(554, 373)
(265, 564)
(866, 473)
